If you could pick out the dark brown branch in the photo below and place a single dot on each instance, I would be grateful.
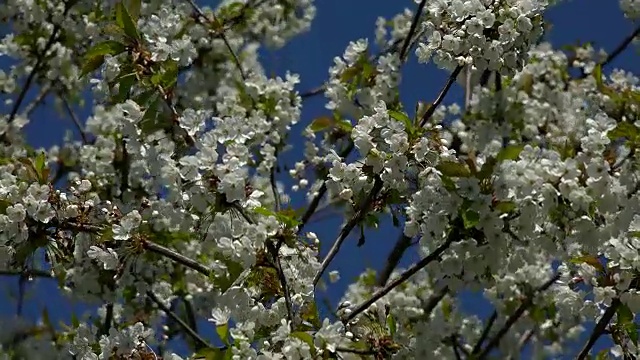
(323, 189)
(402, 244)
(76, 121)
(599, 329)
(524, 306)
(177, 319)
(622, 46)
(453, 236)
(346, 229)
(179, 258)
(432, 109)
(485, 332)
(412, 29)
(274, 251)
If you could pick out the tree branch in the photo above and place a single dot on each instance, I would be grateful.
(432, 109)
(346, 229)
(599, 329)
(524, 306)
(177, 257)
(453, 236)
(181, 322)
(402, 244)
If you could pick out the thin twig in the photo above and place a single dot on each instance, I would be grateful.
(524, 306)
(402, 244)
(32, 106)
(599, 329)
(432, 109)
(412, 29)
(202, 15)
(28, 273)
(76, 121)
(177, 257)
(177, 319)
(453, 236)
(323, 189)
(283, 282)
(346, 229)
(485, 332)
(622, 46)
(618, 50)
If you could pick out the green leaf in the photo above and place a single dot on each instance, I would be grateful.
(126, 83)
(487, 169)
(307, 338)
(134, 9)
(470, 218)
(74, 321)
(588, 259)
(264, 211)
(223, 333)
(40, 162)
(168, 76)
(511, 152)
(597, 74)
(602, 355)
(4, 204)
(213, 354)
(505, 207)
(322, 123)
(626, 322)
(625, 130)
(109, 47)
(453, 169)
(402, 117)
(91, 64)
(126, 22)
(310, 314)
(391, 324)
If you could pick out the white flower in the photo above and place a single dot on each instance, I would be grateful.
(108, 257)
(128, 224)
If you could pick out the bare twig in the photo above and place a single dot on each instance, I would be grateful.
(402, 244)
(432, 109)
(412, 29)
(599, 329)
(28, 273)
(275, 254)
(32, 106)
(323, 189)
(453, 236)
(346, 229)
(618, 50)
(177, 257)
(524, 306)
(622, 46)
(202, 15)
(76, 121)
(485, 332)
(177, 319)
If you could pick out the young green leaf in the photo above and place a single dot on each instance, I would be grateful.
(91, 64)
(126, 22)
(453, 169)
(109, 47)
(223, 333)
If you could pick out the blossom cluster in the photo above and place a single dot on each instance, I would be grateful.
(171, 209)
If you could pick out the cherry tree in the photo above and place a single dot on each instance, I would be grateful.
(169, 207)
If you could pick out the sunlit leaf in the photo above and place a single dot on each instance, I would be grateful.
(453, 169)
(322, 123)
(126, 22)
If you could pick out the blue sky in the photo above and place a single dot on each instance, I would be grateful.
(310, 55)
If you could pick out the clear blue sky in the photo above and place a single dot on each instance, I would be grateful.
(310, 55)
